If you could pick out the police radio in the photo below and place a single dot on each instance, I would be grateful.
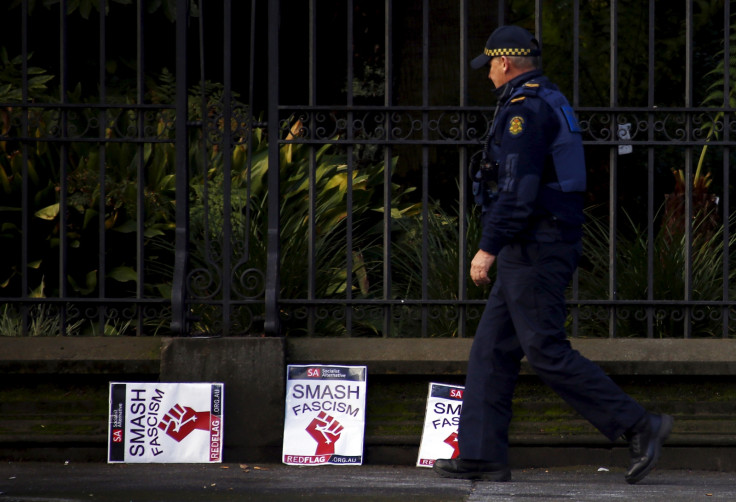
(483, 173)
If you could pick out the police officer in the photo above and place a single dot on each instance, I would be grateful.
(531, 184)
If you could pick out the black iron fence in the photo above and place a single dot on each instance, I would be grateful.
(299, 166)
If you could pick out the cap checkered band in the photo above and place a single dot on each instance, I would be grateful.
(507, 52)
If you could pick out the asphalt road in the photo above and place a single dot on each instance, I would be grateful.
(75, 482)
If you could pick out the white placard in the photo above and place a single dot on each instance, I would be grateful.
(439, 436)
(165, 422)
(324, 421)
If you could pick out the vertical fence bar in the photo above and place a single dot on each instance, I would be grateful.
(575, 102)
(63, 166)
(178, 290)
(387, 153)
(25, 197)
(272, 321)
(613, 171)
(205, 138)
(462, 176)
(351, 167)
(686, 318)
(725, 310)
(227, 165)
(140, 160)
(102, 150)
(312, 228)
(248, 136)
(650, 173)
(425, 163)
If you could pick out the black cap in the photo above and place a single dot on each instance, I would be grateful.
(507, 41)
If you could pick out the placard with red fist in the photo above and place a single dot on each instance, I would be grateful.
(165, 422)
(439, 436)
(325, 415)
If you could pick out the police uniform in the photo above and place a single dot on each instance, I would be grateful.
(532, 192)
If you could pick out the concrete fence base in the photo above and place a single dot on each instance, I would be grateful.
(253, 372)
(53, 397)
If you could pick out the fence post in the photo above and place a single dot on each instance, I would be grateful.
(271, 325)
(178, 290)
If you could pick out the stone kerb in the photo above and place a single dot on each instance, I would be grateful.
(443, 356)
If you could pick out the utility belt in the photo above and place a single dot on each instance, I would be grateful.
(547, 230)
(551, 229)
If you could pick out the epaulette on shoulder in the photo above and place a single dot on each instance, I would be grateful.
(527, 89)
(530, 89)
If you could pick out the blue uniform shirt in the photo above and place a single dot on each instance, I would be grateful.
(529, 205)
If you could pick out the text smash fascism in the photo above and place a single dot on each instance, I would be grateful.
(328, 398)
(451, 414)
(144, 422)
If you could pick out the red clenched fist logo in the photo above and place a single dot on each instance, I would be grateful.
(326, 431)
(180, 421)
(452, 441)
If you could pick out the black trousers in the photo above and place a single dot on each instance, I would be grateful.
(525, 316)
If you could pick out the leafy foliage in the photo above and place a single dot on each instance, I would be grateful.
(85, 7)
(668, 272)
(39, 166)
(43, 321)
(320, 231)
(442, 269)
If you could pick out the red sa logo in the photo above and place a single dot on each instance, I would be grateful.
(313, 372)
(457, 393)
(117, 436)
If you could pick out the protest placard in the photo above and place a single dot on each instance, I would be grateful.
(325, 415)
(165, 422)
(439, 435)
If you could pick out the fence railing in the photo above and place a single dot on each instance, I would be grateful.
(322, 148)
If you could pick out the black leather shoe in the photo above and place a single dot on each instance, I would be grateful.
(645, 445)
(471, 469)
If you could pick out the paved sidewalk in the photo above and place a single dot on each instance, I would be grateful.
(73, 482)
